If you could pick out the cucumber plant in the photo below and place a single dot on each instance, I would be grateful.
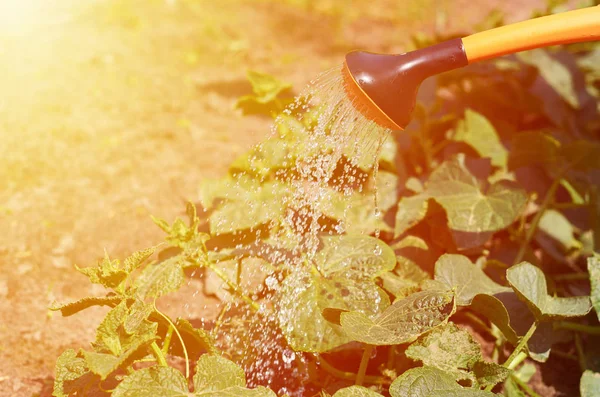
(489, 231)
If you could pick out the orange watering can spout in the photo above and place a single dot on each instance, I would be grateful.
(384, 87)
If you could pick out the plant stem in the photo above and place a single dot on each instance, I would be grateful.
(571, 276)
(518, 360)
(364, 362)
(236, 289)
(536, 220)
(158, 354)
(167, 342)
(350, 376)
(524, 386)
(521, 345)
(580, 353)
(586, 329)
(185, 353)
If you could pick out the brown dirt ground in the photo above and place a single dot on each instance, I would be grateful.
(115, 110)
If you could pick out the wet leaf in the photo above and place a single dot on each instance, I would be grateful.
(303, 296)
(448, 348)
(246, 203)
(152, 382)
(402, 322)
(555, 73)
(356, 391)
(215, 372)
(358, 211)
(590, 384)
(364, 256)
(489, 373)
(529, 283)
(457, 271)
(160, 278)
(470, 207)
(478, 131)
(594, 271)
(431, 382)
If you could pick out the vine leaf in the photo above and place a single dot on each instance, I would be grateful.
(529, 283)
(214, 373)
(431, 382)
(534, 148)
(457, 271)
(594, 270)
(402, 322)
(245, 203)
(555, 73)
(356, 391)
(558, 227)
(477, 131)
(471, 207)
(448, 348)
(160, 278)
(490, 373)
(265, 98)
(68, 309)
(215, 377)
(73, 375)
(151, 382)
(590, 384)
(411, 210)
(342, 278)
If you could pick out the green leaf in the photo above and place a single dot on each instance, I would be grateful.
(160, 278)
(448, 348)
(341, 278)
(594, 271)
(494, 309)
(246, 203)
(402, 322)
(525, 373)
(558, 227)
(196, 340)
(357, 211)
(533, 148)
(431, 382)
(364, 256)
(215, 373)
(68, 309)
(581, 155)
(489, 373)
(478, 132)
(303, 296)
(590, 384)
(108, 273)
(266, 89)
(529, 283)
(136, 259)
(411, 211)
(356, 391)
(471, 207)
(72, 375)
(555, 73)
(457, 271)
(153, 382)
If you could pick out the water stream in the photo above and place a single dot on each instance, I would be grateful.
(332, 148)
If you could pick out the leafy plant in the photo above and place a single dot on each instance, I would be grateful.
(486, 228)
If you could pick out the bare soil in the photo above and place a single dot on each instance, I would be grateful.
(114, 110)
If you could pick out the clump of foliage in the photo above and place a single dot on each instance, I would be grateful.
(490, 232)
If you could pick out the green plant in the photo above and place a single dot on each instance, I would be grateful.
(490, 230)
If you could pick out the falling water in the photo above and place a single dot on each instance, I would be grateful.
(331, 134)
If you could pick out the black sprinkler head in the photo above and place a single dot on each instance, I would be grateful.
(384, 87)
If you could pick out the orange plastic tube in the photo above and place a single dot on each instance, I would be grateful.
(567, 27)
